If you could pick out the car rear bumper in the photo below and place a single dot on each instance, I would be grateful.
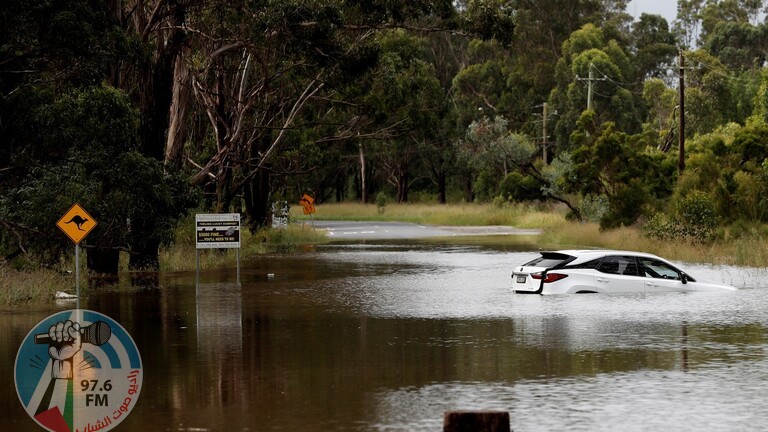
(523, 283)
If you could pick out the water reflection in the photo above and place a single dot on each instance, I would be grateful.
(388, 337)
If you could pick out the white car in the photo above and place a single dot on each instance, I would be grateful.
(604, 271)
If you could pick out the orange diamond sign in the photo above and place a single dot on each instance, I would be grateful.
(308, 203)
(76, 223)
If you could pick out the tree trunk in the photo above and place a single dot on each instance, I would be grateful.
(177, 132)
(256, 194)
(157, 94)
(402, 187)
(340, 187)
(224, 195)
(363, 189)
(441, 195)
(469, 193)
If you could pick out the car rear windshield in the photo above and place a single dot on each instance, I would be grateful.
(549, 260)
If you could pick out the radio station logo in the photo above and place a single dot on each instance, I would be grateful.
(78, 371)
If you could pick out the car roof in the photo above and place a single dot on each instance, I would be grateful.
(596, 253)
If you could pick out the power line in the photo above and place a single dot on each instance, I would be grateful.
(589, 81)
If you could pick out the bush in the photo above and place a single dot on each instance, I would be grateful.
(382, 199)
(499, 202)
(693, 219)
(594, 207)
(749, 195)
(625, 207)
(696, 215)
(519, 187)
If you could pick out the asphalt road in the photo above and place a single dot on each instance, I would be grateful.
(342, 230)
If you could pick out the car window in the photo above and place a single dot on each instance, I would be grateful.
(593, 264)
(657, 269)
(549, 260)
(620, 265)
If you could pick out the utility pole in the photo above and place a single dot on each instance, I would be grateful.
(589, 88)
(589, 81)
(544, 134)
(681, 131)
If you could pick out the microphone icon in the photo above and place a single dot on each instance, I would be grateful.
(97, 334)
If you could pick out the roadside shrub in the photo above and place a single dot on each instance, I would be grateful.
(520, 187)
(703, 170)
(696, 216)
(625, 207)
(594, 207)
(660, 227)
(486, 186)
(724, 197)
(742, 229)
(750, 142)
(749, 195)
(693, 219)
(381, 202)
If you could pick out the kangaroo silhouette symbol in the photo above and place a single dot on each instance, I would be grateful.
(79, 221)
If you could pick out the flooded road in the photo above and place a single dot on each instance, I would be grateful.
(388, 336)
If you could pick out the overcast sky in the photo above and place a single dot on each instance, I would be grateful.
(665, 8)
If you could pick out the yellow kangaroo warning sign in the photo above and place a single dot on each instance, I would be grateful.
(76, 223)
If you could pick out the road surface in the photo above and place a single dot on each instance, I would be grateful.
(343, 230)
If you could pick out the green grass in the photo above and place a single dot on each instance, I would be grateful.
(557, 232)
(32, 286)
(180, 256)
(521, 216)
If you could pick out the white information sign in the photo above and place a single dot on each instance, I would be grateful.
(216, 231)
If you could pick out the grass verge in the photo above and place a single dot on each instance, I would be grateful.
(520, 216)
(21, 287)
(558, 232)
(181, 255)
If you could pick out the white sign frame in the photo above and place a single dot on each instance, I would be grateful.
(217, 227)
(226, 235)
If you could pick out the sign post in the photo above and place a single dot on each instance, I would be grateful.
(217, 231)
(76, 224)
(309, 206)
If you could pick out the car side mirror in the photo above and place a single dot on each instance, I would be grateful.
(684, 278)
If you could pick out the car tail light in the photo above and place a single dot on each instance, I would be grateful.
(550, 277)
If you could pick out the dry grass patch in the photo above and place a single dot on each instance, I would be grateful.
(752, 251)
(33, 286)
(518, 215)
(181, 256)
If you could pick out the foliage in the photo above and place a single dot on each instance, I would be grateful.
(751, 143)
(406, 93)
(594, 68)
(594, 207)
(120, 108)
(102, 171)
(31, 286)
(62, 42)
(616, 165)
(654, 44)
(694, 219)
(381, 202)
(519, 187)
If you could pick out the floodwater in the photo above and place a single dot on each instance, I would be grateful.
(387, 337)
